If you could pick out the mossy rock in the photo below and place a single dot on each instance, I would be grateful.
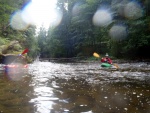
(5, 49)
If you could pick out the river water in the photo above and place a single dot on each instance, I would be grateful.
(76, 88)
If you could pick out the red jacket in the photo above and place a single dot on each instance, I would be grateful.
(107, 60)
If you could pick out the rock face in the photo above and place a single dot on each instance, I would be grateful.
(10, 46)
(6, 52)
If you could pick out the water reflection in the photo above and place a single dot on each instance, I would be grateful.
(15, 95)
(77, 88)
(85, 88)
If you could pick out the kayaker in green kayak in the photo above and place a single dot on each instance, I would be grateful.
(106, 59)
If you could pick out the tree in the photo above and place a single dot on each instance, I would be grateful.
(77, 35)
(26, 37)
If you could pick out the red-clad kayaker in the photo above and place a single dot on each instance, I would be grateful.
(106, 59)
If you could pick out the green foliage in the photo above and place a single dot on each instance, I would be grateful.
(25, 39)
(3, 41)
(76, 35)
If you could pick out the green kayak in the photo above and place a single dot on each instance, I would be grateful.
(106, 65)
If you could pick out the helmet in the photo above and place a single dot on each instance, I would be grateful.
(106, 55)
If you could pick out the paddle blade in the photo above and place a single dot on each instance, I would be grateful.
(96, 55)
(116, 65)
(25, 51)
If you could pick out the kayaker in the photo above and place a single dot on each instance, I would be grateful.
(106, 59)
(22, 59)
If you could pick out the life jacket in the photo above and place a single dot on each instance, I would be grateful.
(107, 60)
(103, 60)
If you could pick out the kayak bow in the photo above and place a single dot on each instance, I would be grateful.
(15, 68)
(106, 65)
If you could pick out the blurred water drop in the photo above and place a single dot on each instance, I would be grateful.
(27, 14)
(58, 19)
(102, 18)
(133, 10)
(41, 12)
(118, 32)
(17, 21)
(76, 9)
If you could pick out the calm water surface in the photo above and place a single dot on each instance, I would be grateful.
(76, 88)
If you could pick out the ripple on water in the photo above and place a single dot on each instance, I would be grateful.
(85, 88)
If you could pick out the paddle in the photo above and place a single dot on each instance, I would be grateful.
(25, 51)
(98, 56)
(116, 65)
